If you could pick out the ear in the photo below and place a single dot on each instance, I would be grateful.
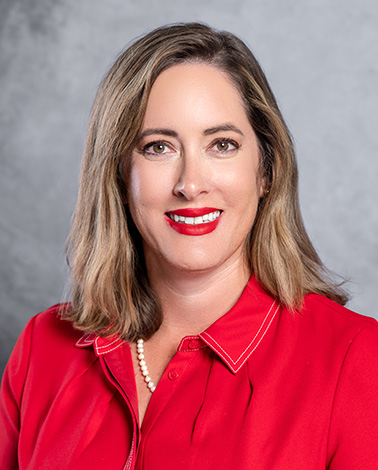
(263, 184)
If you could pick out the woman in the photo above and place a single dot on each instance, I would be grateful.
(203, 332)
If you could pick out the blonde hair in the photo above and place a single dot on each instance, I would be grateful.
(110, 290)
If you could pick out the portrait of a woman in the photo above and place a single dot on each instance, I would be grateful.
(203, 330)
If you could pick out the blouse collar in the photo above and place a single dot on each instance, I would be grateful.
(233, 337)
(237, 334)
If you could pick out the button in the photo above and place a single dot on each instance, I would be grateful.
(194, 344)
(173, 375)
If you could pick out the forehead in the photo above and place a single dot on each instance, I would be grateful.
(197, 91)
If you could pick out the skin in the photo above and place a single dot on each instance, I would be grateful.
(196, 149)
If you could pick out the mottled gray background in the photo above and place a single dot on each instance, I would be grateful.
(321, 57)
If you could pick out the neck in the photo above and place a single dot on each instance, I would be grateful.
(192, 301)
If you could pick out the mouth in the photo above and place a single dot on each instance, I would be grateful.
(192, 218)
(194, 222)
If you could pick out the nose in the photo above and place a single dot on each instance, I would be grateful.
(194, 177)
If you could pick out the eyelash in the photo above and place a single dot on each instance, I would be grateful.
(227, 141)
(145, 149)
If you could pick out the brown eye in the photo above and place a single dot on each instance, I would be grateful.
(223, 145)
(158, 148)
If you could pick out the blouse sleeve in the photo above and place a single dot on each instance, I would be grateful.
(11, 396)
(353, 439)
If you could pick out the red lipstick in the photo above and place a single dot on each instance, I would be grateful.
(194, 212)
(190, 228)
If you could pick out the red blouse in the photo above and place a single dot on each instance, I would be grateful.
(260, 389)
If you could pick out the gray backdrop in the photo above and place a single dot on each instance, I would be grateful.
(321, 57)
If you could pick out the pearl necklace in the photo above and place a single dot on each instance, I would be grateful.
(143, 365)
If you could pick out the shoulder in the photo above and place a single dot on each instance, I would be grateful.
(46, 342)
(324, 331)
(46, 356)
(49, 329)
(320, 303)
(342, 348)
(352, 440)
(321, 312)
(51, 319)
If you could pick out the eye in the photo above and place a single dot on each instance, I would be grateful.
(158, 148)
(225, 146)
(155, 148)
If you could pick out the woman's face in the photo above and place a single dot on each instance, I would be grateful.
(194, 182)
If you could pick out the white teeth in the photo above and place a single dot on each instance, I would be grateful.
(204, 219)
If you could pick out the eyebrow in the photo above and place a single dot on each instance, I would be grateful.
(155, 130)
(172, 133)
(223, 127)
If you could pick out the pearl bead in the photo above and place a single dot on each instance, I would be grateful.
(143, 366)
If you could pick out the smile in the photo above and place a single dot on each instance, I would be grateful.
(202, 219)
(195, 221)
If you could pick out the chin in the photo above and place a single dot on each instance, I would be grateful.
(201, 264)
(188, 261)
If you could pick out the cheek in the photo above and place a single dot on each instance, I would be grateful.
(146, 189)
(242, 184)
(141, 184)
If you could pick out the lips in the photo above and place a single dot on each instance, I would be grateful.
(194, 221)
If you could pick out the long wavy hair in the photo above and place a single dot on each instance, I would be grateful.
(110, 292)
